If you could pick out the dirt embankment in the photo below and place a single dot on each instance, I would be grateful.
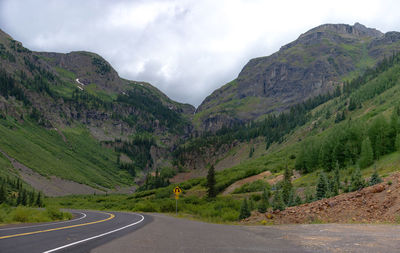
(378, 203)
(265, 176)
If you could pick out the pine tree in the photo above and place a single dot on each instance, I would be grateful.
(19, 197)
(266, 195)
(287, 186)
(357, 181)
(394, 130)
(367, 154)
(375, 179)
(118, 158)
(3, 194)
(211, 191)
(333, 188)
(31, 201)
(262, 206)
(298, 201)
(397, 142)
(244, 210)
(337, 176)
(24, 199)
(322, 186)
(277, 203)
(39, 200)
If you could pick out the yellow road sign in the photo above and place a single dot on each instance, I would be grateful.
(176, 196)
(177, 190)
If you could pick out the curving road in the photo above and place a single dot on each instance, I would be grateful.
(105, 232)
(89, 230)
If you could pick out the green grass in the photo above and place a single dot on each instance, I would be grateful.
(94, 90)
(219, 210)
(23, 214)
(65, 73)
(80, 158)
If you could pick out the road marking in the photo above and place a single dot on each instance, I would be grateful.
(60, 228)
(97, 236)
(48, 224)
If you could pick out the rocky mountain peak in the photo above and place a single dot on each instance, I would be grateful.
(356, 30)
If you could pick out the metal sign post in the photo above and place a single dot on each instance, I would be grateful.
(177, 191)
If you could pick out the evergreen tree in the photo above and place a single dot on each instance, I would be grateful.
(24, 199)
(337, 176)
(394, 130)
(298, 201)
(3, 193)
(375, 179)
(287, 186)
(379, 133)
(251, 152)
(397, 142)
(333, 187)
(244, 210)
(19, 197)
(262, 206)
(211, 191)
(277, 203)
(31, 199)
(266, 195)
(367, 154)
(39, 200)
(118, 158)
(322, 186)
(357, 181)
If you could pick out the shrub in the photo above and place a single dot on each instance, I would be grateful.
(244, 210)
(255, 186)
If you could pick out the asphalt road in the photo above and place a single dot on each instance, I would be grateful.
(89, 230)
(172, 235)
(101, 232)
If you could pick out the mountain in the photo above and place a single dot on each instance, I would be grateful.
(70, 116)
(316, 63)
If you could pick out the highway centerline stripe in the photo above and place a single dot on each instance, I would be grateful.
(97, 236)
(60, 228)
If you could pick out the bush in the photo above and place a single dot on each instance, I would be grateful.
(21, 214)
(167, 206)
(258, 185)
(244, 210)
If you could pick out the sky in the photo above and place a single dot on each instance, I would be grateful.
(186, 48)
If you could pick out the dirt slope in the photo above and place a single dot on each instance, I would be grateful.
(378, 203)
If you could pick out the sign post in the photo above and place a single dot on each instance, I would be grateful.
(177, 190)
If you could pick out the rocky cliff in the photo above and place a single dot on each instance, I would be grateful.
(317, 62)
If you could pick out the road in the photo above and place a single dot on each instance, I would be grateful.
(89, 230)
(104, 232)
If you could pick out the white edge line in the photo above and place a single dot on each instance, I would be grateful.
(48, 224)
(97, 236)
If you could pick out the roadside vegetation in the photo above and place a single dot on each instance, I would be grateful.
(23, 214)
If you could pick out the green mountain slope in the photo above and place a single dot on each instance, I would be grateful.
(69, 115)
(316, 63)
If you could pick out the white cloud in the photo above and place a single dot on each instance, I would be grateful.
(187, 48)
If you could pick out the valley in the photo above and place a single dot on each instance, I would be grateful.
(309, 124)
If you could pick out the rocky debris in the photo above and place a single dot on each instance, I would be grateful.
(378, 203)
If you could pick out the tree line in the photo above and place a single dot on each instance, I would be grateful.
(13, 193)
(353, 143)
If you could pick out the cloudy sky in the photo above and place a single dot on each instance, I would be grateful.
(186, 48)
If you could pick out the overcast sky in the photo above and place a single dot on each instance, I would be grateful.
(186, 48)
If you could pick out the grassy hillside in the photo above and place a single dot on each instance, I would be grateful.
(78, 157)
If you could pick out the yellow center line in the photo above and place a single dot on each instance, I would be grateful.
(60, 228)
